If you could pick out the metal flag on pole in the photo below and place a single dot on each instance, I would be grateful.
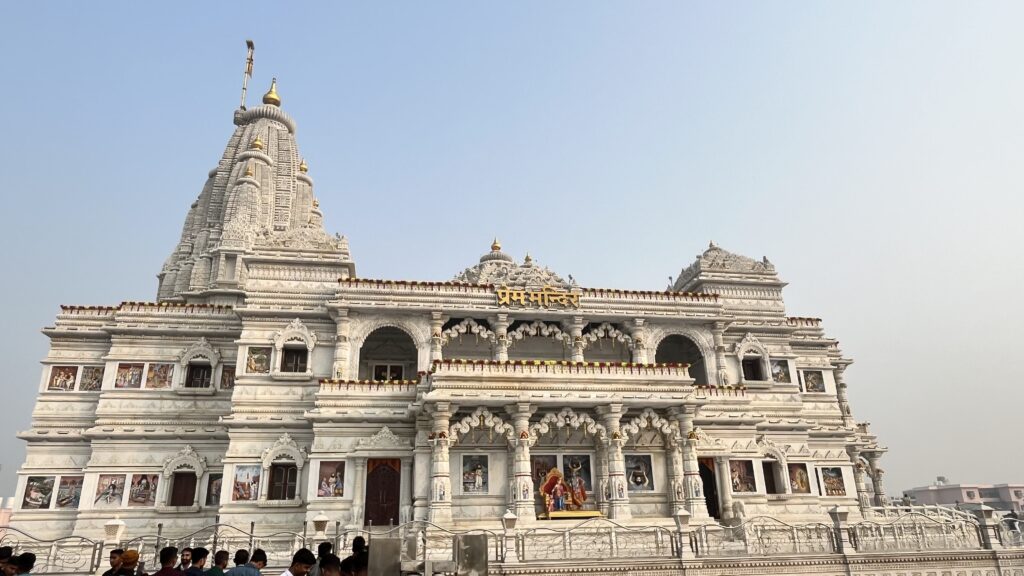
(248, 71)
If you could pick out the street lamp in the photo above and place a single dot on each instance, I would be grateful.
(320, 526)
(508, 522)
(114, 529)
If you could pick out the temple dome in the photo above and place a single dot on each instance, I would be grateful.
(497, 267)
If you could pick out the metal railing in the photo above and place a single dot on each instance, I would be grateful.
(68, 555)
(932, 510)
(1011, 533)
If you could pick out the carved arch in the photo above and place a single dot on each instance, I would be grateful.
(567, 418)
(284, 449)
(539, 328)
(295, 331)
(704, 442)
(767, 447)
(750, 345)
(186, 458)
(419, 332)
(467, 326)
(701, 337)
(481, 418)
(199, 349)
(651, 420)
(606, 330)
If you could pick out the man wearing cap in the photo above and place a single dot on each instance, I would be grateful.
(129, 563)
(301, 563)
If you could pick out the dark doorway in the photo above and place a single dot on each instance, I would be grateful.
(383, 477)
(707, 478)
(680, 349)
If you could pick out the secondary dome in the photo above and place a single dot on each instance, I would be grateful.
(497, 267)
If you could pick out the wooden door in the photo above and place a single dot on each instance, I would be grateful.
(383, 479)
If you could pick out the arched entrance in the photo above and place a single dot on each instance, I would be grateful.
(388, 354)
(681, 350)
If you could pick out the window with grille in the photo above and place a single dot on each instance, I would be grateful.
(283, 481)
(294, 359)
(198, 376)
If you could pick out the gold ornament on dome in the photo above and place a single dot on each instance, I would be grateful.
(271, 96)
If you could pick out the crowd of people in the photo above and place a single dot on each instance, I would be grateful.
(198, 561)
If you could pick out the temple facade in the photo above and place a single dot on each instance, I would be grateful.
(268, 383)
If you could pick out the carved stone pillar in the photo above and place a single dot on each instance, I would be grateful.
(440, 477)
(602, 489)
(876, 477)
(436, 342)
(522, 496)
(863, 501)
(421, 469)
(639, 341)
(724, 477)
(618, 503)
(576, 332)
(358, 491)
(844, 403)
(405, 498)
(696, 505)
(723, 373)
(501, 338)
(342, 346)
(676, 474)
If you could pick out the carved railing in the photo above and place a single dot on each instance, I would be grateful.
(934, 511)
(279, 546)
(762, 536)
(915, 531)
(69, 555)
(596, 538)
(1011, 533)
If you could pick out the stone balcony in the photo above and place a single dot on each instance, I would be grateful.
(490, 382)
(364, 400)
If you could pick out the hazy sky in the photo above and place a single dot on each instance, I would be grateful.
(872, 150)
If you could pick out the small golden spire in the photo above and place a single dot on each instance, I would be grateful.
(248, 170)
(303, 167)
(256, 144)
(271, 96)
(496, 246)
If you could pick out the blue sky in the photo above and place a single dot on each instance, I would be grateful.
(870, 149)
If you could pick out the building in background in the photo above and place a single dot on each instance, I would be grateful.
(1004, 498)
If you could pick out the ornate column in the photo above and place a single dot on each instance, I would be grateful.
(618, 503)
(440, 477)
(863, 501)
(501, 337)
(696, 505)
(405, 499)
(724, 486)
(421, 469)
(844, 403)
(358, 491)
(718, 332)
(576, 332)
(341, 342)
(639, 341)
(522, 496)
(436, 324)
(876, 477)
(602, 489)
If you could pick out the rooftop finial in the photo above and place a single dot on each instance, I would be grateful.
(256, 144)
(303, 167)
(528, 261)
(271, 96)
(248, 71)
(495, 246)
(248, 170)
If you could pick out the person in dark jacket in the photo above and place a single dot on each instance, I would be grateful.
(257, 562)
(199, 558)
(168, 558)
(115, 562)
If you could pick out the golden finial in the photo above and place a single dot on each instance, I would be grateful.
(248, 170)
(303, 167)
(256, 144)
(496, 246)
(271, 96)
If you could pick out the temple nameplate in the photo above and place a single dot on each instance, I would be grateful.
(546, 297)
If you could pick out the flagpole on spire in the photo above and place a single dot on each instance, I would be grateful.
(248, 71)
